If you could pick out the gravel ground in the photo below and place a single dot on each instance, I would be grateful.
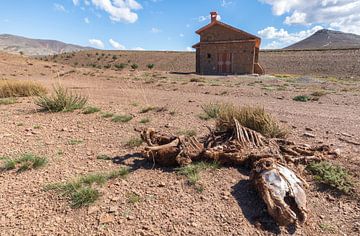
(228, 204)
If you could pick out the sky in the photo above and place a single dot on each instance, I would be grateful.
(171, 24)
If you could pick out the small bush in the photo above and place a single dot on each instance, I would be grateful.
(103, 157)
(17, 88)
(319, 93)
(122, 118)
(7, 101)
(133, 198)
(75, 142)
(147, 109)
(150, 66)
(120, 66)
(114, 57)
(25, 162)
(211, 111)
(302, 98)
(144, 121)
(91, 110)
(134, 142)
(255, 118)
(107, 114)
(197, 80)
(134, 66)
(192, 171)
(84, 190)
(332, 175)
(61, 101)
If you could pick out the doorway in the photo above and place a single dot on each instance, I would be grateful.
(224, 63)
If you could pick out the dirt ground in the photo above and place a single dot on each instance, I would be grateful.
(228, 205)
(342, 63)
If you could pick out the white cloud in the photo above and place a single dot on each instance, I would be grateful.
(76, 2)
(343, 15)
(282, 38)
(87, 21)
(59, 7)
(181, 35)
(155, 30)
(189, 49)
(119, 10)
(116, 45)
(207, 18)
(97, 43)
(225, 3)
(138, 49)
(87, 2)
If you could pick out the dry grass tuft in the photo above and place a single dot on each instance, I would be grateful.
(255, 118)
(18, 88)
(61, 101)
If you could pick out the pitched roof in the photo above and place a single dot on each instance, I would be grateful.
(226, 26)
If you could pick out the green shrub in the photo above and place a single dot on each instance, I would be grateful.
(107, 114)
(84, 190)
(134, 142)
(144, 120)
(332, 175)
(61, 101)
(120, 66)
(192, 171)
(255, 118)
(91, 110)
(150, 66)
(25, 162)
(7, 101)
(211, 111)
(134, 66)
(122, 118)
(302, 98)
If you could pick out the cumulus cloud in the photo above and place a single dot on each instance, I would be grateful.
(138, 49)
(343, 15)
(87, 21)
(116, 45)
(118, 10)
(207, 18)
(155, 30)
(76, 2)
(189, 49)
(97, 43)
(59, 7)
(282, 38)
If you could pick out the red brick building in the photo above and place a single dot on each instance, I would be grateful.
(224, 49)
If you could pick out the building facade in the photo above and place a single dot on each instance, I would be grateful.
(224, 50)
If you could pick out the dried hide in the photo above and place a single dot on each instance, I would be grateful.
(279, 186)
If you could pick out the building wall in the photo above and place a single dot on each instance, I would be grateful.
(220, 33)
(243, 57)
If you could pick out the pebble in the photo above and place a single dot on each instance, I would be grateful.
(161, 185)
(106, 218)
(309, 135)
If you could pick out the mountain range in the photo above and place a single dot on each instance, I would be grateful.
(328, 39)
(17, 44)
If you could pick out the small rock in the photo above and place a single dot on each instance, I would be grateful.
(130, 218)
(92, 210)
(64, 129)
(112, 209)
(106, 218)
(309, 135)
(161, 185)
(91, 131)
(309, 129)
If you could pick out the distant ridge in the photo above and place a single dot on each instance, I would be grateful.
(328, 39)
(16, 44)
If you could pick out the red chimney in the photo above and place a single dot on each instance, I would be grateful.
(214, 15)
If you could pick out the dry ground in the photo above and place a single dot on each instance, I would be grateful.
(228, 205)
(322, 63)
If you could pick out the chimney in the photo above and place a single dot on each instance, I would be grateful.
(214, 15)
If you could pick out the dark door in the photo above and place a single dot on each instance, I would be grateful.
(224, 63)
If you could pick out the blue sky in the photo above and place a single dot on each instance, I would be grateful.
(171, 24)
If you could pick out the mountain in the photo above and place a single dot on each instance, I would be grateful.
(16, 44)
(328, 39)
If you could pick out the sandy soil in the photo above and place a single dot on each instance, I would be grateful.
(168, 206)
(342, 64)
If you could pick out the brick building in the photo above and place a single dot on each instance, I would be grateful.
(224, 49)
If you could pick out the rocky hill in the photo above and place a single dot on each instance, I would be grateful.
(16, 44)
(328, 39)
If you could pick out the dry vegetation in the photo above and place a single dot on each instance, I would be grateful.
(15, 88)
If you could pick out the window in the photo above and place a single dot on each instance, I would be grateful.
(209, 56)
